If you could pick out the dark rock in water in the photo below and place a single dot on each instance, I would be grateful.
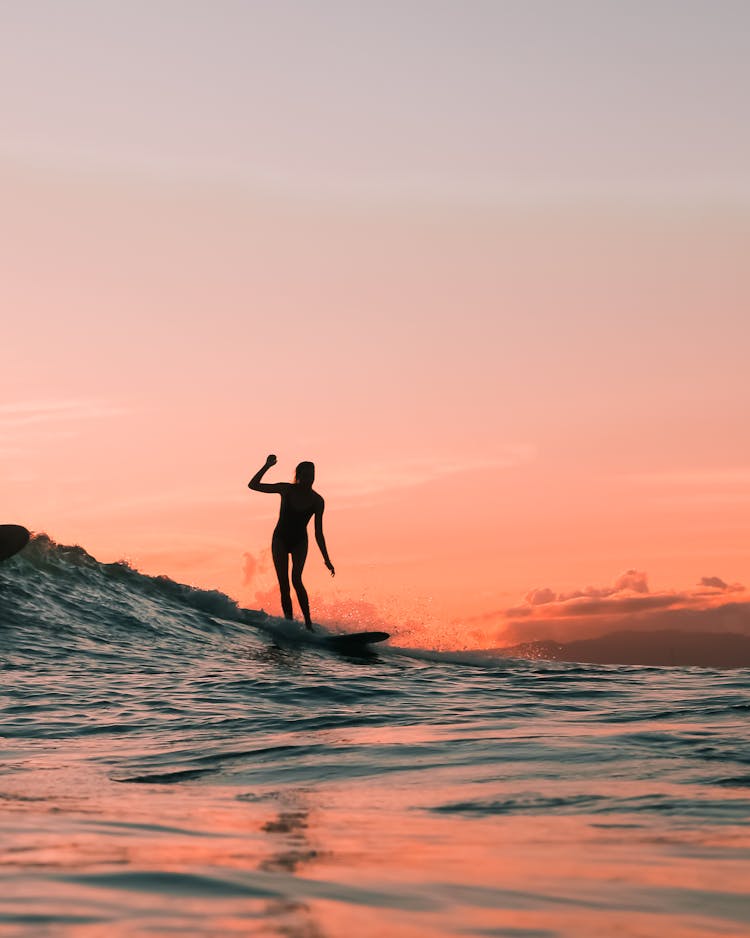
(13, 537)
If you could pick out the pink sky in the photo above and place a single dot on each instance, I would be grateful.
(489, 272)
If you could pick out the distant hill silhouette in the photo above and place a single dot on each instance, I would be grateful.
(662, 648)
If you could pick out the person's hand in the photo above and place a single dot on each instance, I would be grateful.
(271, 460)
(330, 567)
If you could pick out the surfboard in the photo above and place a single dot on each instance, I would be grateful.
(13, 537)
(353, 643)
(286, 632)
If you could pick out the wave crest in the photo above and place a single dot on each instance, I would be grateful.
(57, 595)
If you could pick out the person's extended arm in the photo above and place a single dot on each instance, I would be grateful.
(257, 486)
(319, 537)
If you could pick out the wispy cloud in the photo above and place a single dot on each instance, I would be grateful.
(382, 477)
(693, 478)
(181, 497)
(22, 414)
(717, 486)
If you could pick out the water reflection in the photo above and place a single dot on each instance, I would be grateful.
(291, 848)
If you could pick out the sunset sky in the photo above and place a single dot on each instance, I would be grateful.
(484, 262)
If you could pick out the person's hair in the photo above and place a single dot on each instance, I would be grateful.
(305, 472)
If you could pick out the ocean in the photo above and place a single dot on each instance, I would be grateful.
(175, 765)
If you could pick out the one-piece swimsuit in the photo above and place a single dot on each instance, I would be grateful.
(291, 527)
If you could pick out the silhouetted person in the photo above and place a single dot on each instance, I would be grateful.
(298, 504)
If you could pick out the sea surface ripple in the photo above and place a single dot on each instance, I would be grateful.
(174, 764)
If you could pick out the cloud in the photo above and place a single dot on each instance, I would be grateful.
(586, 606)
(27, 413)
(705, 478)
(538, 597)
(632, 580)
(627, 605)
(706, 486)
(716, 583)
(168, 500)
(372, 478)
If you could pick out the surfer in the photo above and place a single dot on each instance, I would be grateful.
(298, 504)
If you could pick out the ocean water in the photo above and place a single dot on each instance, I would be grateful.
(173, 765)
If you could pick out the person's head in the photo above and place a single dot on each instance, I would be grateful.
(304, 474)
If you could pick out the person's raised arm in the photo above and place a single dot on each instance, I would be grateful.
(319, 536)
(257, 486)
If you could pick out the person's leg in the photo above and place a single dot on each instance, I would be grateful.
(281, 563)
(299, 555)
